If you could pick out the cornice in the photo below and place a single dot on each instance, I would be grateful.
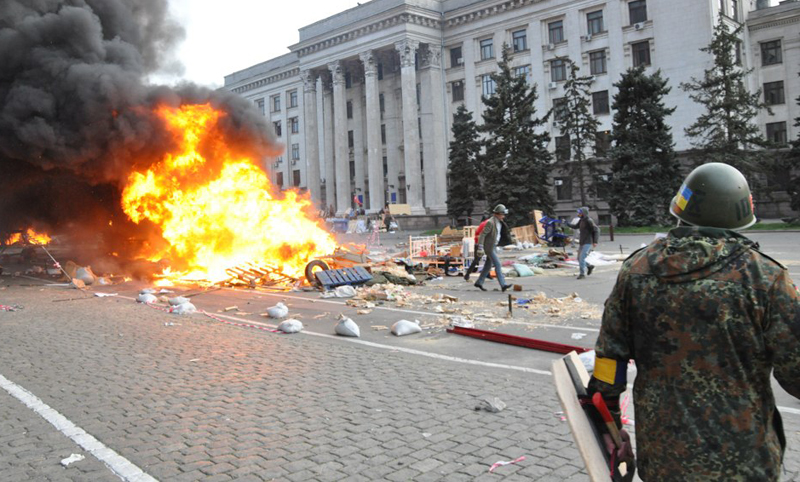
(295, 72)
(401, 18)
(774, 23)
(487, 11)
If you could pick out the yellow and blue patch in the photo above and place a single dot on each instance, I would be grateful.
(611, 371)
(683, 197)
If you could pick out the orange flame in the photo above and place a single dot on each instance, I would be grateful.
(217, 211)
(31, 236)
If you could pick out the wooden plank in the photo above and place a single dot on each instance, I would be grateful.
(579, 424)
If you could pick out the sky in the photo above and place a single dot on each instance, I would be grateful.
(224, 37)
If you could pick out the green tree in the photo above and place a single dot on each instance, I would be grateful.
(515, 164)
(725, 132)
(464, 187)
(645, 170)
(575, 119)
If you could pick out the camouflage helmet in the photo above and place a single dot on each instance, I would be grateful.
(715, 195)
(500, 209)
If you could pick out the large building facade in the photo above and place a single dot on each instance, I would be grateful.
(364, 102)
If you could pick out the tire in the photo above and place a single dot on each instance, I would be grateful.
(310, 268)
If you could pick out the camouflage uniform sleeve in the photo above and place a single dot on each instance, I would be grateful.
(612, 348)
(782, 333)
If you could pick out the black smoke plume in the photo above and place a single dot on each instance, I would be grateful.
(77, 113)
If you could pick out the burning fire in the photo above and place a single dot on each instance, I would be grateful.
(31, 236)
(218, 211)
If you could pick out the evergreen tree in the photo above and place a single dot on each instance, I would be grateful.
(576, 120)
(791, 169)
(464, 188)
(645, 171)
(726, 132)
(515, 165)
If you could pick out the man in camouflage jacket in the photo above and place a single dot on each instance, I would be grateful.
(707, 318)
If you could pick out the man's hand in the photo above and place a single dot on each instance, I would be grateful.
(624, 453)
(594, 245)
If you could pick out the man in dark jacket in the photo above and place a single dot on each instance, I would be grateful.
(590, 236)
(491, 237)
(707, 318)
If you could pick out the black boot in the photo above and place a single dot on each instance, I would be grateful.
(480, 287)
(589, 269)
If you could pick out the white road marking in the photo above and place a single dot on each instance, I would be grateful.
(118, 464)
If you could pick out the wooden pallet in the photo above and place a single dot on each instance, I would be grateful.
(331, 278)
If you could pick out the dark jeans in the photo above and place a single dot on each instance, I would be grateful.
(473, 267)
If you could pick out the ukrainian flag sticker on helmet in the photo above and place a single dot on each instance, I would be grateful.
(683, 197)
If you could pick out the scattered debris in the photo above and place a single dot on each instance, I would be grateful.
(232, 308)
(146, 298)
(502, 463)
(491, 404)
(185, 308)
(578, 336)
(72, 459)
(10, 308)
(105, 295)
(379, 327)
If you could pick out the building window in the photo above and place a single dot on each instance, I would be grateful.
(260, 105)
(458, 91)
(560, 109)
(602, 143)
(597, 62)
(563, 188)
(276, 103)
(735, 9)
(558, 70)
(295, 152)
(641, 53)
(350, 139)
(383, 134)
(385, 166)
(296, 178)
(348, 80)
(776, 132)
(419, 95)
(293, 98)
(352, 170)
(600, 102)
(556, 32)
(294, 125)
(723, 8)
(771, 53)
(487, 49)
(380, 71)
(279, 180)
(349, 109)
(523, 72)
(488, 85)
(563, 149)
(594, 22)
(382, 102)
(520, 40)
(738, 53)
(638, 11)
(277, 128)
(456, 58)
(773, 93)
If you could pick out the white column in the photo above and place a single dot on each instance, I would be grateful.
(374, 146)
(408, 49)
(359, 184)
(330, 171)
(341, 150)
(310, 134)
(436, 150)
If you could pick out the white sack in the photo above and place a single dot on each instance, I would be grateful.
(146, 298)
(347, 327)
(278, 311)
(183, 309)
(405, 327)
(291, 326)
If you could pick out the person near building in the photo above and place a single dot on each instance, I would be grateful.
(589, 237)
(707, 318)
(491, 237)
(477, 251)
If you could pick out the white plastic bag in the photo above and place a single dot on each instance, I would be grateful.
(291, 326)
(178, 300)
(86, 275)
(405, 327)
(183, 309)
(587, 358)
(345, 292)
(278, 311)
(146, 298)
(347, 327)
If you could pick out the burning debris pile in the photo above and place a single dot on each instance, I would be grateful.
(133, 171)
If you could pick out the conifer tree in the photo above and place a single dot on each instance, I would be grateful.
(515, 164)
(576, 120)
(645, 171)
(464, 187)
(725, 132)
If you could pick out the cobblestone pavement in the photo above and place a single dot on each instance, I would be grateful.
(199, 400)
